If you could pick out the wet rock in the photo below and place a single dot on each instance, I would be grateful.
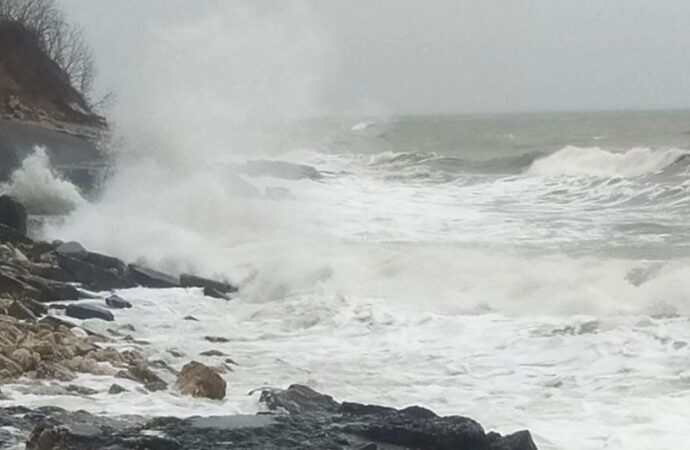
(152, 278)
(11, 235)
(522, 440)
(20, 311)
(70, 248)
(37, 308)
(13, 214)
(384, 428)
(81, 390)
(141, 373)
(198, 380)
(45, 290)
(117, 302)
(214, 293)
(187, 280)
(298, 399)
(84, 311)
(116, 389)
(212, 353)
(92, 276)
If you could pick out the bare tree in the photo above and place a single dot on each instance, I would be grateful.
(63, 43)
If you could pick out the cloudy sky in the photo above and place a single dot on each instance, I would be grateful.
(431, 56)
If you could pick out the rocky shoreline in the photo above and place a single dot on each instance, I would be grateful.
(40, 283)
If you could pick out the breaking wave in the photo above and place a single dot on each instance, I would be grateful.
(598, 162)
(40, 188)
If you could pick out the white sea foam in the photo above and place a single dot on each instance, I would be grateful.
(504, 298)
(602, 163)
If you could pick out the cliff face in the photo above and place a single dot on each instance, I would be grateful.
(32, 86)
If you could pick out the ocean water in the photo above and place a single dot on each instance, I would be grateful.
(529, 271)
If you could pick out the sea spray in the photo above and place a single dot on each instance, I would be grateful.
(196, 95)
(36, 184)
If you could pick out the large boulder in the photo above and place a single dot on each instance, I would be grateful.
(13, 213)
(81, 268)
(198, 380)
(85, 311)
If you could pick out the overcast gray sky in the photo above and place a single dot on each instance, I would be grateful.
(428, 56)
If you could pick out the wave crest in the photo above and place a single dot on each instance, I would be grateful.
(595, 161)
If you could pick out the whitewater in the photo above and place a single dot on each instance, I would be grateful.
(528, 271)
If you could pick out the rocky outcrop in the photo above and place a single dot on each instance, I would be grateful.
(317, 425)
(198, 380)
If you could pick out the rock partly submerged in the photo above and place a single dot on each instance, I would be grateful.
(318, 423)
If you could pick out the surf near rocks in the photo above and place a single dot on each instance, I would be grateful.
(40, 279)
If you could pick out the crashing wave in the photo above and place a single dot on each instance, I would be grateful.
(40, 188)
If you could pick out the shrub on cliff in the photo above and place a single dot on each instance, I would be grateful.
(61, 41)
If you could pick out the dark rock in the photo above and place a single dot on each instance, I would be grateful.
(81, 390)
(70, 248)
(309, 428)
(522, 440)
(141, 373)
(199, 380)
(156, 386)
(42, 247)
(152, 278)
(370, 446)
(192, 318)
(38, 309)
(216, 339)
(9, 234)
(116, 389)
(358, 409)
(56, 322)
(13, 214)
(50, 290)
(83, 311)
(106, 262)
(187, 280)
(215, 293)
(117, 302)
(212, 353)
(298, 399)
(20, 311)
(93, 276)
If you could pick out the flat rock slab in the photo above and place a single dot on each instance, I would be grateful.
(151, 278)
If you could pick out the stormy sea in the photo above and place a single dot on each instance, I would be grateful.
(527, 270)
